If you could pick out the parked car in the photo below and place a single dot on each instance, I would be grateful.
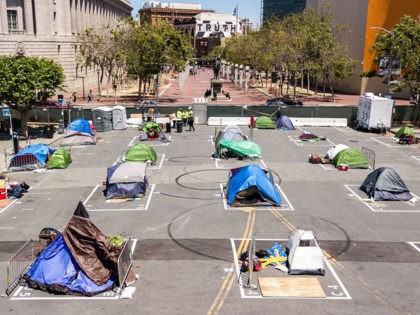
(283, 101)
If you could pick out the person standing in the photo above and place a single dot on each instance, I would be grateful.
(191, 119)
(74, 97)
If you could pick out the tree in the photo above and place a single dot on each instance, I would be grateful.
(403, 41)
(27, 81)
(151, 46)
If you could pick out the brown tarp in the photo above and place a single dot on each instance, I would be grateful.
(91, 249)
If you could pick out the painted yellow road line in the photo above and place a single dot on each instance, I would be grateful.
(231, 277)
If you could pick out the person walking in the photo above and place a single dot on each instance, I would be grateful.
(90, 96)
(190, 119)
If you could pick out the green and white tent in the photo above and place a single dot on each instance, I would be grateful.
(264, 122)
(243, 148)
(141, 153)
(60, 159)
(353, 158)
(405, 130)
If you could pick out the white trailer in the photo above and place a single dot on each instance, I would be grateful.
(374, 112)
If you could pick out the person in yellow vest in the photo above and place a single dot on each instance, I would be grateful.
(184, 116)
(190, 119)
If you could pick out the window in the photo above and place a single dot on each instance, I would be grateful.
(12, 21)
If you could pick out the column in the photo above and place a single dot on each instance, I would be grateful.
(42, 18)
(4, 28)
(63, 18)
(78, 16)
(236, 75)
(28, 14)
(73, 17)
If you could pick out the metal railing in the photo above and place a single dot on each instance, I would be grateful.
(125, 262)
(20, 262)
(24, 162)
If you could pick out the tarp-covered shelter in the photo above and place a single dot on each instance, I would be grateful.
(141, 152)
(81, 125)
(77, 138)
(126, 180)
(331, 153)
(304, 254)
(240, 149)
(152, 132)
(264, 122)
(284, 123)
(61, 158)
(102, 118)
(353, 158)
(81, 261)
(119, 117)
(385, 183)
(230, 133)
(31, 157)
(251, 185)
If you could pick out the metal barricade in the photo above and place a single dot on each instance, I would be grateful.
(125, 262)
(370, 156)
(24, 162)
(19, 264)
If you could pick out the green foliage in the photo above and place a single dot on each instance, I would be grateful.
(116, 240)
(24, 81)
(403, 41)
(368, 73)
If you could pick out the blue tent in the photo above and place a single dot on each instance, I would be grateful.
(250, 185)
(81, 125)
(39, 152)
(55, 270)
(80, 261)
(285, 123)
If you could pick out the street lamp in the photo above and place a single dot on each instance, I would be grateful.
(390, 60)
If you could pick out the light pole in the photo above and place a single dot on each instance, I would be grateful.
(98, 71)
(390, 60)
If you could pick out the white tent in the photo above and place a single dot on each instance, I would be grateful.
(304, 254)
(331, 153)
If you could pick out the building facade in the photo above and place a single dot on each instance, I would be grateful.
(281, 8)
(48, 28)
(364, 19)
(207, 30)
(154, 11)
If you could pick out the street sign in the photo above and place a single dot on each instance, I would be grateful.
(6, 112)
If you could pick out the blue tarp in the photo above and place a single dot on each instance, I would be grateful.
(248, 177)
(80, 125)
(285, 123)
(55, 266)
(41, 151)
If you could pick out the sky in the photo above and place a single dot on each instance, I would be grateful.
(250, 9)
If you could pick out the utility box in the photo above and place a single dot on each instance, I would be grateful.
(374, 112)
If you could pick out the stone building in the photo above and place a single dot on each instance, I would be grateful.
(48, 28)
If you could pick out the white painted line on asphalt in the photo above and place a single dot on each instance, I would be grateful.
(414, 244)
(158, 167)
(7, 228)
(385, 144)
(416, 157)
(8, 206)
(132, 141)
(212, 141)
(381, 210)
(139, 208)
(330, 167)
(91, 194)
(216, 161)
(27, 209)
(337, 291)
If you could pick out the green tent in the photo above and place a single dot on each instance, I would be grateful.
(148, 126)
(404, 131)
(264, 122)
(243, 148)
(353, 158)
(141, 153)
(60, 159)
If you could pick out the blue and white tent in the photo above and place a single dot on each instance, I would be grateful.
(81, 125)
(251, 185)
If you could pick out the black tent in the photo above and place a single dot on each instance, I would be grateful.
(385, 184)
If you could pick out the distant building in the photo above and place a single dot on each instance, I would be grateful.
(281, 8)
(364, 21)
(48, 28)
(207, 30)
(153, 11)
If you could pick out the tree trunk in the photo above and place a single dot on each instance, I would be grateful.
(307, 83)
(295, 82)
(24, 118)
(331, 88)
(139, 83)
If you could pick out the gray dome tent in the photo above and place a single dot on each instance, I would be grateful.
(384, 183)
